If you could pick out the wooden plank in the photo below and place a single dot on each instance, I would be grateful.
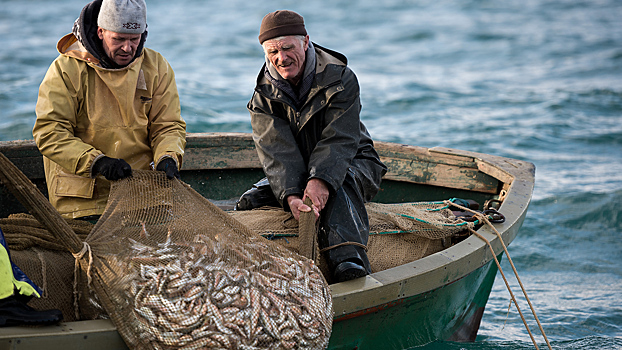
(423, 155)
(418, 165)
(440, 175)
(202, 158)
(220, 151)
(26, 156)
(441, 167)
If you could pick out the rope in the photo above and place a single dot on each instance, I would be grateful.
(85, 248)
(487, 222)
(343, 244)
(44, 275)
(507, 285)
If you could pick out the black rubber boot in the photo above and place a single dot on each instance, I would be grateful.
(348, 270)
(260, 195)
(15, 312)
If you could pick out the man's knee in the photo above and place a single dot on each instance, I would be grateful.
(260, 195)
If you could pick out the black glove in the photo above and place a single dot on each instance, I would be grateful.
(168, 166)
(112, 168)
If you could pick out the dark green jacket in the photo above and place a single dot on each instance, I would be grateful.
(321, 139)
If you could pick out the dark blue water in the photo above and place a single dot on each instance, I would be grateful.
(537, 80)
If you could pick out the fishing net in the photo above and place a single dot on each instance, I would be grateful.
(399, 233)
(181, 273)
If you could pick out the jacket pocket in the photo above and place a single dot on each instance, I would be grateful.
(69, 185)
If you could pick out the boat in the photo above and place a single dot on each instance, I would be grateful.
(441, 296)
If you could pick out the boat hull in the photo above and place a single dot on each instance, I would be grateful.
(451, 312)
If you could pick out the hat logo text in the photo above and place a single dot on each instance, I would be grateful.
(130, 25)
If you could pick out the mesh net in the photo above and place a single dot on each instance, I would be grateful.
(181, 272)
(399, 233)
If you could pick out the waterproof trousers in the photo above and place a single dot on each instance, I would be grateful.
(344, 224)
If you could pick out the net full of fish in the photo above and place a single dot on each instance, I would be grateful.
(210, 293)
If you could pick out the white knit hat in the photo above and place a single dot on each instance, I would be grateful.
(123, 16)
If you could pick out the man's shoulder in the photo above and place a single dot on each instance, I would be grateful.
(153, 56)
(329, 56)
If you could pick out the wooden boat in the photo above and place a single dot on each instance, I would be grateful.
(439, 297)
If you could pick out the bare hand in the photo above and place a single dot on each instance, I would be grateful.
(296, 205)
(318, 192)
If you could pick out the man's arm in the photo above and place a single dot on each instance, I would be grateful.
(340, 138)
(56, 109)
(278, 152)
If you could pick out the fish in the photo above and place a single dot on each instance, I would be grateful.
(207, 293)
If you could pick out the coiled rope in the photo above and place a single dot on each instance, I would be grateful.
(485, 220)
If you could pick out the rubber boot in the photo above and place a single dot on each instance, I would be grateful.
(260, 195)
(15, 312)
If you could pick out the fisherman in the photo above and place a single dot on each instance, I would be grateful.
(311, 142)
(107, 105)
(16, 289)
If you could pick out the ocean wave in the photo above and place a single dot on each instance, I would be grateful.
(583, 210)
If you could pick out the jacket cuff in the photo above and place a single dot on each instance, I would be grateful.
(168, 155)
(94, 161)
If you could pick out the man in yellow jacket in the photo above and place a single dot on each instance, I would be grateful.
(107, 105)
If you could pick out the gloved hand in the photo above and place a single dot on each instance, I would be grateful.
(169, 166)
(112, 168)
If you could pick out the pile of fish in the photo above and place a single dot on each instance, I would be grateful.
(208, 294)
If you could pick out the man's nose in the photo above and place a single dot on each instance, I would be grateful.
(281, 56)
(127, 46)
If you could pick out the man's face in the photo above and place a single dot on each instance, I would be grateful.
(120, 47)
(287, 55)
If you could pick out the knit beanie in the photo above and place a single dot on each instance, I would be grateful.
(123, 16)
(281, 23)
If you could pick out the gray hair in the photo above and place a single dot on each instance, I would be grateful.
(299, 37)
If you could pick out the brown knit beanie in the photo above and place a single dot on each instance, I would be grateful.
(281, 23)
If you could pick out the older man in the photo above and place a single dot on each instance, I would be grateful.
(311, 141)
(106, 105)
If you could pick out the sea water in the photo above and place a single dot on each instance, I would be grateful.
(536, 80)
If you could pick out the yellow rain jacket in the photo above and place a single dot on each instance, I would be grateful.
(85, 111)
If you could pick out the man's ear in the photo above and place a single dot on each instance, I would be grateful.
(100, 33)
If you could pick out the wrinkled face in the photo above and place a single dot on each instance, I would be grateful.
(287, 55)
(120, 47)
